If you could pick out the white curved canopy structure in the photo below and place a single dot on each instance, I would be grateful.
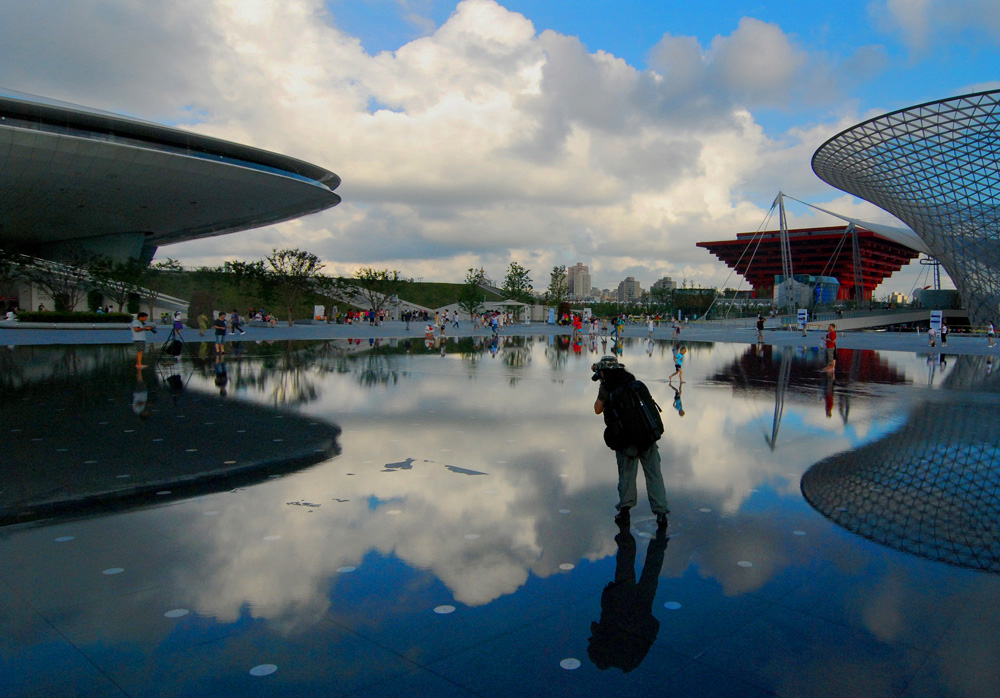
(74, 178)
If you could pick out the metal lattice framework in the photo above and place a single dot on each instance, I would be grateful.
(935, 167)
(931, 488)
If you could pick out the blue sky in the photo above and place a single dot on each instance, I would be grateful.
(480, 133)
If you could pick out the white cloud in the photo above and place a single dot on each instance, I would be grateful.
(925, 24)
(758, 59)
(483, 142)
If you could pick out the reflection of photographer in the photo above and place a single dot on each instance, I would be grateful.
(627, 628)
(633, 426)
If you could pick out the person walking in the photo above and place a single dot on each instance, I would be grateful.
(760, 328)
(202, 324)
(944, 335)
(220, 333)
(234, 323)
(991, 334)
(612, 375)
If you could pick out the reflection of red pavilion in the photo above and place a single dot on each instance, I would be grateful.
(815, 251)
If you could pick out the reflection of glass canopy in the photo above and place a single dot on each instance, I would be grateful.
(935, 166)
(931, 489)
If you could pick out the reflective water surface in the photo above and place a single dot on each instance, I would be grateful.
(455, 537)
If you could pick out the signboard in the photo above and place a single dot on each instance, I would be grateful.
(936, 320)
(803, 317)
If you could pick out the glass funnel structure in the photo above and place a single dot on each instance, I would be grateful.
(935, 167)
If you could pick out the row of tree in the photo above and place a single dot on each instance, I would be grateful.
(287, 278)
(95, 277)
(290, 278)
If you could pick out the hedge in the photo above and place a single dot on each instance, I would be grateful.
(61, 316)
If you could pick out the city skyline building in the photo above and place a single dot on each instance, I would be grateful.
(665, 283)
(578, 279)
(629, 290)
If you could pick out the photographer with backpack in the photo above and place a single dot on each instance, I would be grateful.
(633, 426)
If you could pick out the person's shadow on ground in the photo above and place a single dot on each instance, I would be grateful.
(627, 628)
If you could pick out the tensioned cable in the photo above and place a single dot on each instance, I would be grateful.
(924, 273)
(759, 236)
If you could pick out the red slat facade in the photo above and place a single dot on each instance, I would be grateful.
(814, 251)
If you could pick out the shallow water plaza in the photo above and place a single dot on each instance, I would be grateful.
(377, 519)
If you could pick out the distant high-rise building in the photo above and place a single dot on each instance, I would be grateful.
(666, 283)
(629, 290)
(578, 279)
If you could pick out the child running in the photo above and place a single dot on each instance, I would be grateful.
(679, 364)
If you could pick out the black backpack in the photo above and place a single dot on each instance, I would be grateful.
(633, 418)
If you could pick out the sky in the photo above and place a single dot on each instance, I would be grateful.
(480, 133)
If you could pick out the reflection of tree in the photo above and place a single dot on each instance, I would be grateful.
(557, 352)
(377, 370)
(284, 378)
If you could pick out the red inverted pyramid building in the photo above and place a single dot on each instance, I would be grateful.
(817, 252)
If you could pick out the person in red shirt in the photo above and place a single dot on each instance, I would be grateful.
(831, 347)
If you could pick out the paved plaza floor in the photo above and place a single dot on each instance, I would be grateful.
(738, 331)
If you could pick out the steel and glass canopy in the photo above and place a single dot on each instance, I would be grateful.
(936, 167)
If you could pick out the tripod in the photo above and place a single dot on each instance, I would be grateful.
(168, 345)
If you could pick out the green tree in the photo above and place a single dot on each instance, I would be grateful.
(11, 271)
(201, 302)
(95, 300)
(470, 297)
(377, 287)
(558, 286)
(333, 290)
(251, 280)
(118, 280)
(154, 272)
(292, 273)
(517, 284)
(661, 296)
(65, 283)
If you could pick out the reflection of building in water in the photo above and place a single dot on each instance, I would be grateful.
(932, 488)
(789, 374)
(751, 372)
(104, 432)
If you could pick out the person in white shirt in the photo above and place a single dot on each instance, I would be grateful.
(140, 336)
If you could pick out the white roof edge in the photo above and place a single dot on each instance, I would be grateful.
(904, 236)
